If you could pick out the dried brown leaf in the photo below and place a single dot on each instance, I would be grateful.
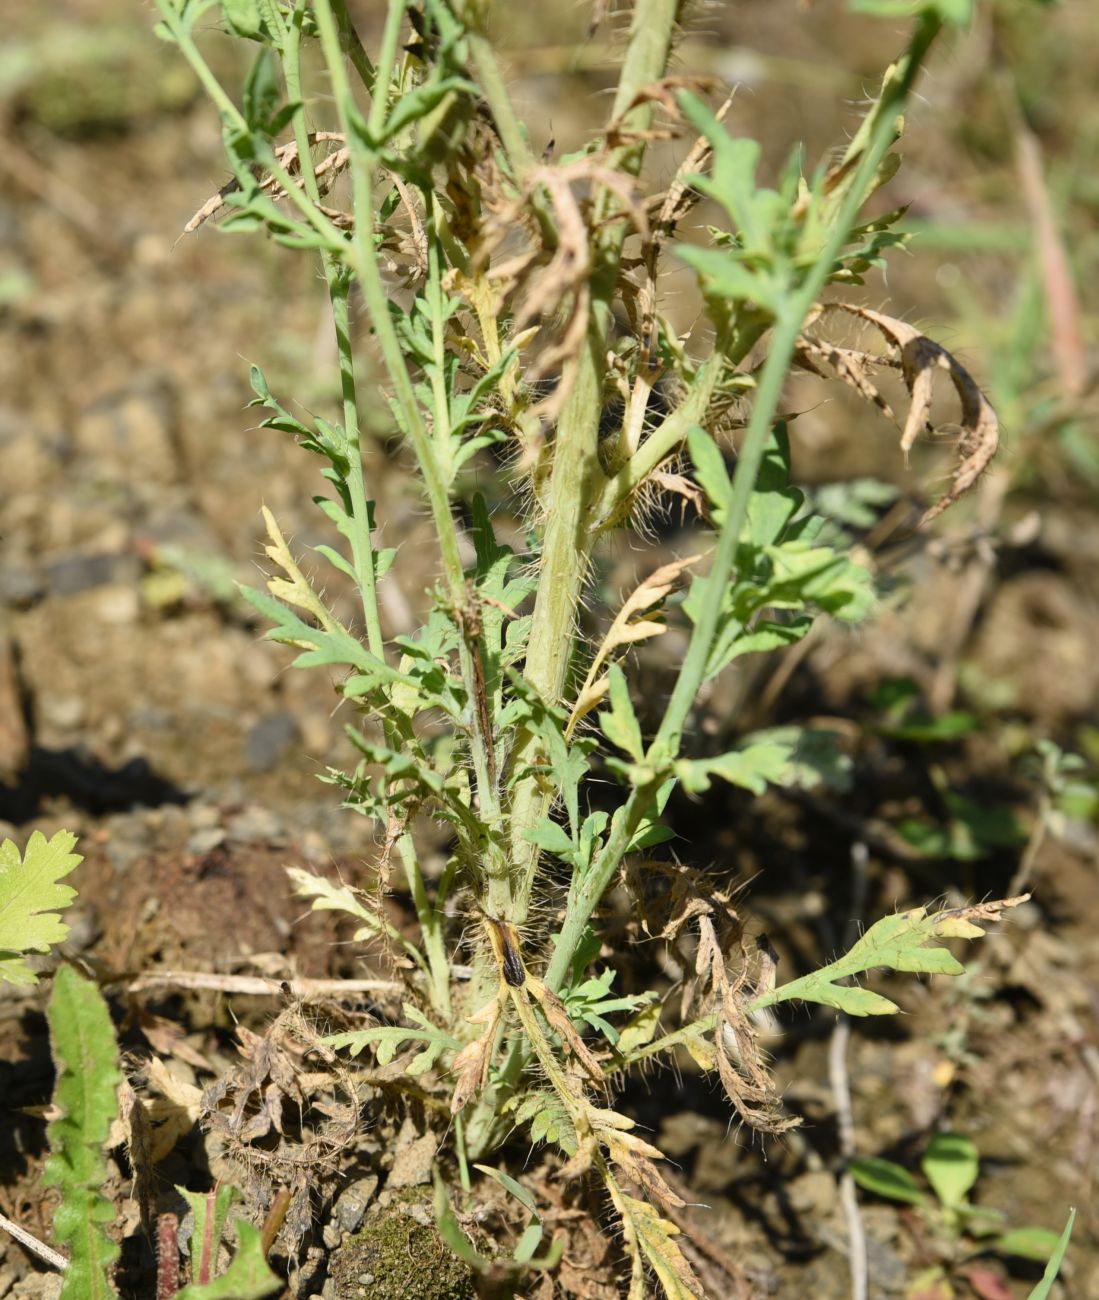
(472, 1062)
(326, 171)
(557, 1017)
(919, 358)
(630, 625)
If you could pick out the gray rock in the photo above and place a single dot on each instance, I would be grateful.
(352, 1202)
(205, 841)
(75, 573)
(269, 740)
(256, 825)
(19, 587)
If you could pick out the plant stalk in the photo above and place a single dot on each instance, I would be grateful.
(585, 896)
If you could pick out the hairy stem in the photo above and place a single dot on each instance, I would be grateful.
(576, 480)
(368, 271)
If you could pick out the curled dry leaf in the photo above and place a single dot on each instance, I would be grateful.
(632, 623)
(965, 922)
(745, 1078)
(567, 265)
(918, 357)
(472, 1062)
(557, 1017)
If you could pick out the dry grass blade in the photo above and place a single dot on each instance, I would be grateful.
(1066, 328)
(919, 357)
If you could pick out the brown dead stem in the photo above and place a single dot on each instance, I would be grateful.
(326, 171)
(554, 279)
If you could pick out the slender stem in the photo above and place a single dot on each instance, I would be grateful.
(586, 895)
(368, 271)
(181, 34)
(383, 74)
(349, 39)
(430, 917)
(499, 101)
(339, 287)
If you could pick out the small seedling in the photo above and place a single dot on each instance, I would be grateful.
(952, 1229)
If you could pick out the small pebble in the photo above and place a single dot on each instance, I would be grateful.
(352, 1203)
(256, 825)
(206, 840)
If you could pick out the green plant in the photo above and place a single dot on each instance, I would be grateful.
(88, 1076)
(88, 1079)
(515, 307)
(959, 1230)
(31, 898)
(85, 1052)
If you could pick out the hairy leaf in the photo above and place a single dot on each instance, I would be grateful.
(248, 1276)
(905, 941)
(88, 1077)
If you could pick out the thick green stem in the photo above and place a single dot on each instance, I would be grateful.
(577, 480)
(586, 896)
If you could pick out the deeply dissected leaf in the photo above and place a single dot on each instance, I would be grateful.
(652, 1239)
(88, 1078)
(902, 942)
(30, 899)
(619, 723)
(388, 1039)
(547, 1118)
(634, 622)
(782, 756)
(328, 897)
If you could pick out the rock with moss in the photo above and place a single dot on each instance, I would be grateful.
(396, 1256)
